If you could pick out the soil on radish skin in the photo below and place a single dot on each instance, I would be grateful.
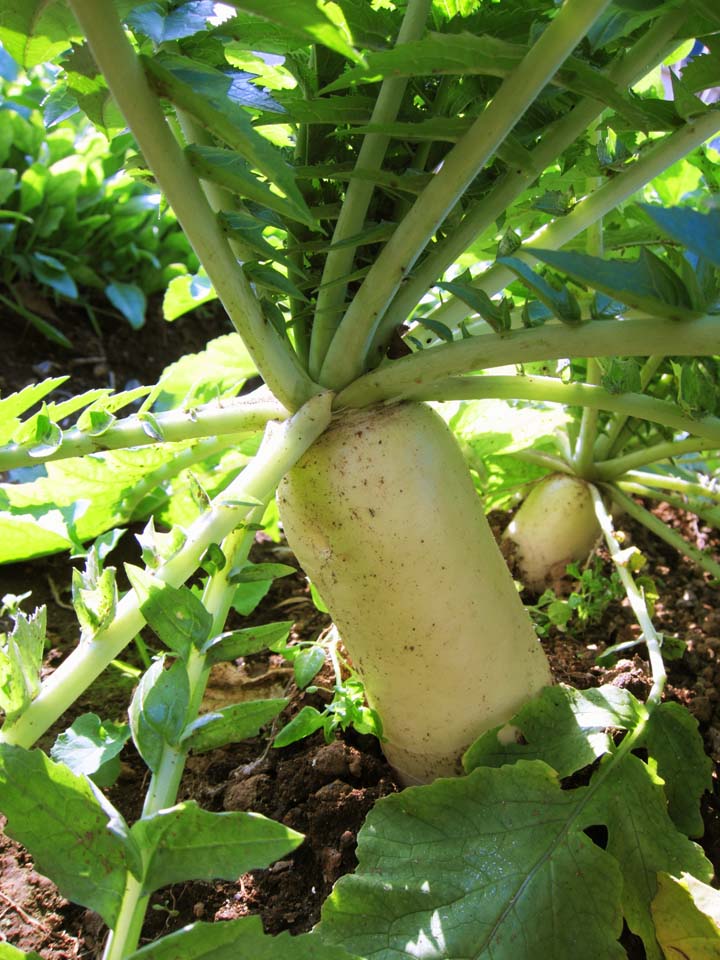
(322, 790)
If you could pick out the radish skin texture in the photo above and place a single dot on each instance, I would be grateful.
(555, 525)
(384, 518)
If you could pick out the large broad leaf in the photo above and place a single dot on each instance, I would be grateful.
(498, 865)
(673, 740)
(187, 843)
(647, 283)
(493, 865)
(74, 834)
(235, 939)
(568, 729)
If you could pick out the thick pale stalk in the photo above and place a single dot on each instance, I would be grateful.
(483, 213)
(347, 352)
(384, 518)
(555, 525)
(639, 337)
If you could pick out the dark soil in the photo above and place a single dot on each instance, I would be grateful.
(323, 790)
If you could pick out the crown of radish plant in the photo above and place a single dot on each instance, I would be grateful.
(374, 167)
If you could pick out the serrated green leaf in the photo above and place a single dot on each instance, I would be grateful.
(184, 21)
(467, 54)
(21, 658)
(497, 315)
(498, 865)
(229, 170)
(187, 843)
(94, 599)
(674, 742)
(643, 840)
(74, 834)
(203, 93)
(176, 615)
(231, 724)
(234, 938)
(35, 31)
(247, 233)
(562, 303)
(17, 403)
(78, 499)
(621, 375)
(242, 643)
(272, 280)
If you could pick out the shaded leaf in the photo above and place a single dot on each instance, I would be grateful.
(74, 834)
(319, 22)
(647, 283)
(566, 728)
(699, 232)
(227, 169)
(562, 303)
(492, 865)
(673, 740)
(130, 300)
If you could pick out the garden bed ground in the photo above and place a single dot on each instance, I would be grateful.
(323, 790)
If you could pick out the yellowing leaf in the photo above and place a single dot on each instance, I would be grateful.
(686, 913)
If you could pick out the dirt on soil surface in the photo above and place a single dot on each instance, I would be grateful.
(324, 790)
